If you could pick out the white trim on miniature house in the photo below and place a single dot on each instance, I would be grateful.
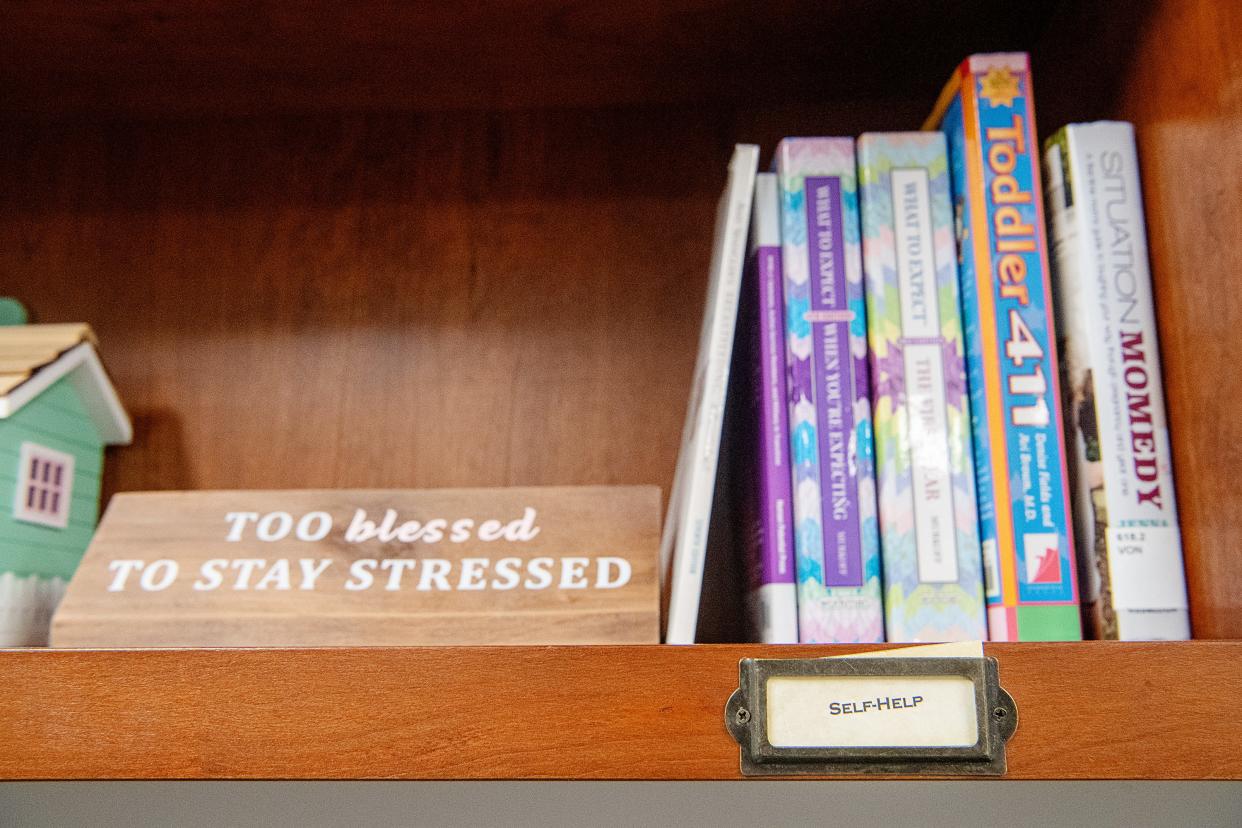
(81, 364)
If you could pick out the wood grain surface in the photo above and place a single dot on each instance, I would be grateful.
(1086, 711)
(317, 255)
(390, 300)
(223, 581)
(1184, 93)
(380, 301)
(234, 57)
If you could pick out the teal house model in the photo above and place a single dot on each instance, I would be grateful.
(58, 410)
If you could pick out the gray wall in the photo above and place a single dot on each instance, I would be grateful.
(760, 804)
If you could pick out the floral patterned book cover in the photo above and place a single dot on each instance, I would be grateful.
(836, 537)
(929, 524)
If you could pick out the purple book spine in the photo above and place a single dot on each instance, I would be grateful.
(830, 308)
(776, 519)
(836, 538)
(773, 597)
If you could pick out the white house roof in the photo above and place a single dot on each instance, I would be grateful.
(34, 357)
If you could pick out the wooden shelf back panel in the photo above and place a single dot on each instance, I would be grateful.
(1087, 711)
(1184, 92)
(382, 300)
(371, 301)
(243, 58)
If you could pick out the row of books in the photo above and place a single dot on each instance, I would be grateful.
(907, 469)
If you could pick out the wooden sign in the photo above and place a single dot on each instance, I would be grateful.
(308, 568)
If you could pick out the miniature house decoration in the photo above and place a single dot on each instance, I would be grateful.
(58, 410)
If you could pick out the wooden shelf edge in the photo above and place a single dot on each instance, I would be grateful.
(1096, 710)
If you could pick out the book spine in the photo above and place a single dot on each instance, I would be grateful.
(683, 548)
(26, 607)
(987, 115)
(836, 536)
(773, 593)
(929, 526)
(1133, 580)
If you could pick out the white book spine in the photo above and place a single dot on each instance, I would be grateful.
(1134, 585)
(684, 543)
(26, 607)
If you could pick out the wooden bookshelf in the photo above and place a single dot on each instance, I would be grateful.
(382, 246)
(1086, 711)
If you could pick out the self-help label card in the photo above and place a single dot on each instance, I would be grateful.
(987, 115)
(836, 538)
(929, 526)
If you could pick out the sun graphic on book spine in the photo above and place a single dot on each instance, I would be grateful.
(999, 87)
